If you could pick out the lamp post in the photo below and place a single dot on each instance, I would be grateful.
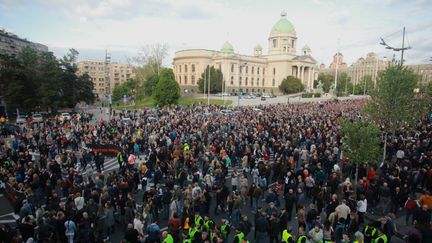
(238, 92)
(402, 49)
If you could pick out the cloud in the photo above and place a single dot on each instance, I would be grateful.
(340, 17)
(10, 4)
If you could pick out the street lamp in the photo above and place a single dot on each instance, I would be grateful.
(402, 49)
(238, 92)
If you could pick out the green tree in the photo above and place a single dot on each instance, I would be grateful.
(364, 86)
(362, 143)
(291, 85)
(167, 90)
(150, 83)
(344, 85)
(327, 80)
(394, 103)
(216, 80)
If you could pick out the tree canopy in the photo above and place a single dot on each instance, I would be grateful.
(344, 85)
(216, 80)
(39, 81)
(128, 88)
(167, 90)
(327, 80)
(291, 85)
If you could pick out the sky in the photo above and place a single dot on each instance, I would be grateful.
(124, 26)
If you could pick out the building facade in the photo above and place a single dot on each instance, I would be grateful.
(11, 44)
(104, 75)
(371, 65)
(246, 73)
(338, 59)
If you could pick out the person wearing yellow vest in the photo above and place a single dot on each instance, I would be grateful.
(359, 238)
(369, 233)
(301, 238)
(239, 236)
(167, 237)
(186, 238)
(198, 220)
(224, 229)
(287, 236)
(208, 223)
(381, 237)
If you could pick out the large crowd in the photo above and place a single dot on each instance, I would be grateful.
(275, 173)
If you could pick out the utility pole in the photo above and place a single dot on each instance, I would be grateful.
(402, 49)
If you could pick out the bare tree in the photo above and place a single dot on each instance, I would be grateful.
(152, 56)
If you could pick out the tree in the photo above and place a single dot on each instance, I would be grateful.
(38, 80)
(327, 80)
(128, 88)
(362, 143)
(394, 103)
(167, 90)
(216, 80)
(150, 83)
(151, 58)
(291, 85)
(364, 86)
(344, 84)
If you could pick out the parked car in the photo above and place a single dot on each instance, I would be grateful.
(263, 98)
(21, 119)
(265, 95)
(37, 118)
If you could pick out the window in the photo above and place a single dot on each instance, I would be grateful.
(240, 69)
(263, 82)
(240, 81)
(232, 80)
(185, 68)
(193, 68)
(252, 70)
(258, 70)
(274, 71)
(179, 79)
(185, 79)
(252, 81)
(263, 71)
(292, 43)
(193, 79)
(246, 81)
(232, 68)
(247, 69)
(273, 83)
(180, 68)
(274, 43)
(284, 48)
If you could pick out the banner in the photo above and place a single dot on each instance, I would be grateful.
(106, 149)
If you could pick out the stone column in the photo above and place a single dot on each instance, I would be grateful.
(311, 78)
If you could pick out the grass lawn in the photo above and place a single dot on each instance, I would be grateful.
(148, 102)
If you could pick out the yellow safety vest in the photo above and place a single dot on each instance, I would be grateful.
(240, 237)
(224, 230)
(383, 237)
(300, 238)
(198, 220)
(192, 232)
(285, 236)
(168, 239)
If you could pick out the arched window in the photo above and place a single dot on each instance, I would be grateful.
(274, 43)
(193, 79)
(273, 83)
(274, 71)
(185, 68)
(263, 82)
(185, 79)
(263, 71)
(232, 68)
(180, 68)
(232, 80)
(252, 81)
(252, 70)
(258, 70)
(246, 81)
(179, 79)
(193, 68)
(247, 68)
(240, 81)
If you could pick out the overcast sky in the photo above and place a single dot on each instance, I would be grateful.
(123, 26)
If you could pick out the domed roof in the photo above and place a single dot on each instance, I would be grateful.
(227, 48)
(258, 47)
(306, 47)
(283, 26)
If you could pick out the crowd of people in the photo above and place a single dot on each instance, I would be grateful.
(275, 173)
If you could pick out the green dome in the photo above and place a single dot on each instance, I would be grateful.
(258, 47)
(227, 48)
(283, 26)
